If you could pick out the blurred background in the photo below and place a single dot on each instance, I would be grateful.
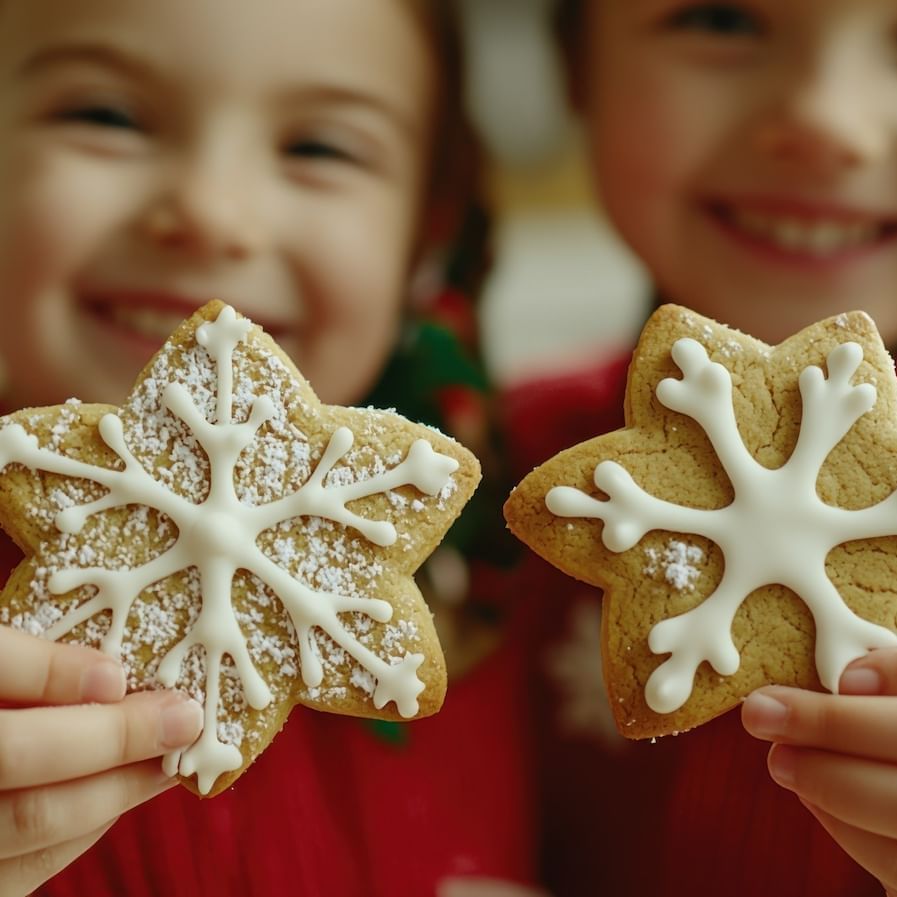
(563, 294)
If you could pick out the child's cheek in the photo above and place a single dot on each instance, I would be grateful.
(654, 155)
(57, 210)
(634, 160)
(352, 310)
(375, 231)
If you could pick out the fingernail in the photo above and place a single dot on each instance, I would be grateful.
(781, 765)
(103, 682)
(764, 715)
(861, 681)
(180, 722)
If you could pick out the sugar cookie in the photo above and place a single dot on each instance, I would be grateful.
(226, 533)
(743, 525)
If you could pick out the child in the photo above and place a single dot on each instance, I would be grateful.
(278, 155)
(747, 151)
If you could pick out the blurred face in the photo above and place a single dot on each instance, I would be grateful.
(155, 155)
(748, 152)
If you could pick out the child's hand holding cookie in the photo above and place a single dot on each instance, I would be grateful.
(72, 752)
(838, 754)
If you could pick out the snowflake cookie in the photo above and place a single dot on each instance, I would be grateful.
(225, 533)
(743, 525)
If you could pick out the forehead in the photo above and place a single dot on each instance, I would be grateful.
(377, 42)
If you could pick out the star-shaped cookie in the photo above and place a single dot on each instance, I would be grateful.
(743, 524)
(226, 533)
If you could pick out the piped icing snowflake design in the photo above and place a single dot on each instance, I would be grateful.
(775, 531)
(218, 534)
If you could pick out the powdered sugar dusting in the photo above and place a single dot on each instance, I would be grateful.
(676, 561)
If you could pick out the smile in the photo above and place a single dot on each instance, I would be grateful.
(150, 323)
(141, 319)
(810, 236)
(148, 318)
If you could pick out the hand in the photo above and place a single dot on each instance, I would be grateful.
(74, 752)
(838, 754)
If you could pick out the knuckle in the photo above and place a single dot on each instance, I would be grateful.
(819, 718)
(123, 734)
(826, 716)
(50, 673)
(33, 817)
(10, 757)
(135, 727)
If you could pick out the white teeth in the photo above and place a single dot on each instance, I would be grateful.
(145, 321)
(819, 238)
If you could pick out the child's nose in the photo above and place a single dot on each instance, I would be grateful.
(205, 208)
(824, 123)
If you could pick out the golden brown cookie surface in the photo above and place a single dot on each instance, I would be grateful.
(226, 533)
(743, 525)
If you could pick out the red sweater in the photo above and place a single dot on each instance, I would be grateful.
(495, 785)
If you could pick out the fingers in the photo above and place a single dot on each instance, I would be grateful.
(37, 818)
(873, 674)
(858, 725)
(875, 853)
(857, 791)
(43, 745)
(838, 753)
(37, 671)
(22, 874)
(75, 755)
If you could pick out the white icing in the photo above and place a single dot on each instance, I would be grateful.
(776, 530)
(218, 536)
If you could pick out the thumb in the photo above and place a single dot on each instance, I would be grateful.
(874, 674)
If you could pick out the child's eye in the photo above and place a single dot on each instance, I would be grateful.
(312, 149)
(100, 115)
(724, 19)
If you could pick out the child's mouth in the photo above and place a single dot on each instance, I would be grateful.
(804, 237)
(152, 324)
(146, 319)
(139, 321)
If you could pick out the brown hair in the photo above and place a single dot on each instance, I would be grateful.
(456, 161)
(570, 33)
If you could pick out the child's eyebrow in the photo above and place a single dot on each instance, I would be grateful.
(101, 54)
(351, 98)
